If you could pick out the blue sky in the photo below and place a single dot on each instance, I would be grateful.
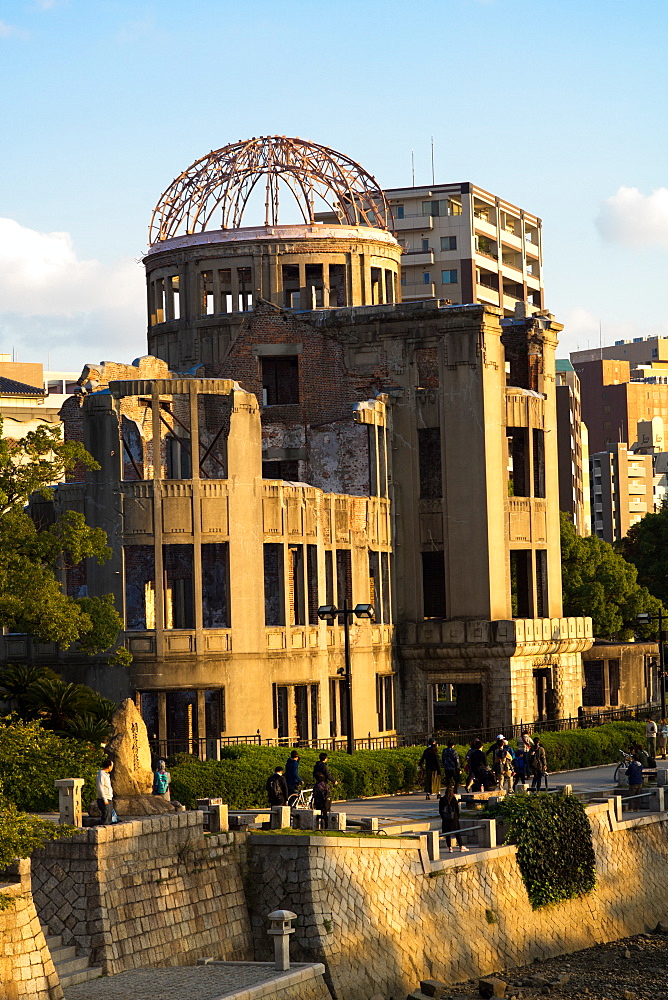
(558, 106)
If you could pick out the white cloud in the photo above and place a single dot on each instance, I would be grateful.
(52, 300)
(631, 218)
(7, 29)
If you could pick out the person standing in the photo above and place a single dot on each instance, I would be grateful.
(650, 735)
(538, 764)
(105, 792)
(503, 766)
(524, 744)
(322, 801)
(477, 765)
(321, 772)
(293, 781)
(432, 769)
(663, 738)
(448, 807)
(277, 788)
(634, 774)
(451, 766)
(161, 781)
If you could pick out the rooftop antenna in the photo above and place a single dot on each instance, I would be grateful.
(413, 165)
(433, 176)
(600, 340)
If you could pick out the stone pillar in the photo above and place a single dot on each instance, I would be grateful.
(487, 833)
(280, 817)
(69, 800)
(433, 845)
(337, 821)
(369, 824)
(281, 928)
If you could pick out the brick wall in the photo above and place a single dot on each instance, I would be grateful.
(381, 920)
(26, 966)
(150, 892)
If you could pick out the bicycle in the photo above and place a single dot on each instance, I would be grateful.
(303, 799)
(624, 761)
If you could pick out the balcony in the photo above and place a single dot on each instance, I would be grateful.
(438, 634)
(489, 254)
(417, 258)
(409, 223)
(417, 290)
(485, 293)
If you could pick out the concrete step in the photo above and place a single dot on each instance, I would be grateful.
(84, 976)
(52, 940)
(62, 953)
(72, 966)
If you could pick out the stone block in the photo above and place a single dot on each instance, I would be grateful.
(337, 821)
(433, 988)
(492, 987)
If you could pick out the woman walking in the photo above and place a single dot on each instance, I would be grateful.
(448, 807)
(432, 769)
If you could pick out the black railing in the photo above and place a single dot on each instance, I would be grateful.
(210, 747)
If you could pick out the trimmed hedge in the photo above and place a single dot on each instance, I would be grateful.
(240, 777)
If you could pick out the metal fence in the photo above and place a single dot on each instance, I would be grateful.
(211, 748)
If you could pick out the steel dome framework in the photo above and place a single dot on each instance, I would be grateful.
(223, 181)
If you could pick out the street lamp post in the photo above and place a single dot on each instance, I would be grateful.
(327, 612)
(643, 619)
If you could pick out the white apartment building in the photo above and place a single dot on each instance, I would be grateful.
(463, 244)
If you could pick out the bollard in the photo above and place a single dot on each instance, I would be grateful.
(656, 801)
(281, 928)
(69, 800)
(487, 833)
(280, 818)
(433, 845)
(306, 819)
(369, 824)
(218, 818)
(661, 776)
(337, 821)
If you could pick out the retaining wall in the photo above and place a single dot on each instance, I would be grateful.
(26, 966)
(381, 916)
(150, 892)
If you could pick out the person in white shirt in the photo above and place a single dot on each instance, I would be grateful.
(663, 738)
(105, 792)
(650, 734)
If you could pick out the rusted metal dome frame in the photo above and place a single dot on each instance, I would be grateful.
(225, 178)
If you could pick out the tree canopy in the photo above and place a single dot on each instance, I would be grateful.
(646, 546)
(598, 582)
(31, 596)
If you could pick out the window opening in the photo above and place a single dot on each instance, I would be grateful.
(385, 701)
(285, 469)
(593, 693)
(225, 289)
(429, 454)
(214, 712)
(315, 286)
(280, 380)
(337, 285)
(133, 451)
(541, 584)
(139, 587)
(178, 586)
(374, 585)
(344, 577)
(518, 462)
(376, 286)
(291, 287)
(329, 581)
(312, 583)
(245, 279)
(215, 585)
(273, 584)
(175, 288)
(538, 463)
(296, 584)
(206, 293)
(148, 703)
(520, 583)
(182, 729)
(433, 584)
(385, 581)
(301, 711)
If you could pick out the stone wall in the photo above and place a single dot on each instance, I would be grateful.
(150, 892)
(381, 917)
(26, 966)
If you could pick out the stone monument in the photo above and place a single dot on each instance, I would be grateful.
(132, 776)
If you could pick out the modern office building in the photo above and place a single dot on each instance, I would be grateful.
(572, 440)
(463, 244)
(299, 436)
(31, 397)
(639, 351)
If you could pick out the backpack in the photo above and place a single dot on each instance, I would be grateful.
(275, 788)
(160, 782)
(450, 759)
(321, 798)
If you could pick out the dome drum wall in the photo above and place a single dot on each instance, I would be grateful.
(200, 287)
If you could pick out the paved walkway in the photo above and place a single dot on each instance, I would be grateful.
(194, 982)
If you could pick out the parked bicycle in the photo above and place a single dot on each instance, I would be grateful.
(624, 761)
(303, 799)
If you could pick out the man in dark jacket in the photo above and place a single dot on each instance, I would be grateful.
(277, 788)
(322, 773)
(294, 782)
(477, 765)
(634, 774)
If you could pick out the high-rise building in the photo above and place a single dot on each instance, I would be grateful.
(463, 244)
(572, 442)
(622, 490)
(300, 437)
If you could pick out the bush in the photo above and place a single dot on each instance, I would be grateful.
(555, 852)
(240, 777)
(32, 758)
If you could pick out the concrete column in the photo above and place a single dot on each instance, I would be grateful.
(280, 817)
(487, 833)
(69, 800)
(157, 523)
(234, 275)
(433, 845)
(304, 301)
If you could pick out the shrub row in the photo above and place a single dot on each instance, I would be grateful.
(240, 777)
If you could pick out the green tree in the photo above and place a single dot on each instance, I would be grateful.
(598, 582)
(31, 598)
(646, 546)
